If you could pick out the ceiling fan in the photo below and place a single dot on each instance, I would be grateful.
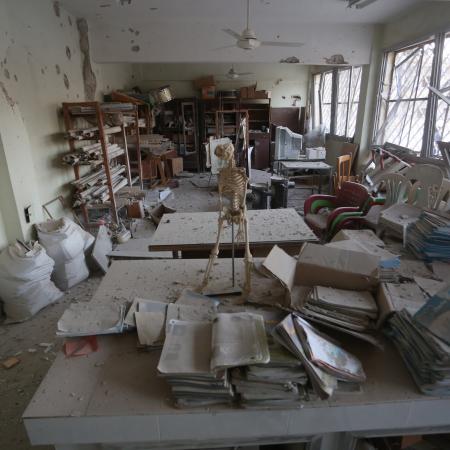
(359, 4)
(247, 40)
(233, 75)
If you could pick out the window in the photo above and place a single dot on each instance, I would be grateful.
(442, 127)
(335, 103)
(349, 86)
(407, 110)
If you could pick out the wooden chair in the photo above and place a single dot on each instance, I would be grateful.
(343, 170)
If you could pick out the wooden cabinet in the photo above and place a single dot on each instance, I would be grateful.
(261, 150)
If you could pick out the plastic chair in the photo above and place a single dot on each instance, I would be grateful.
(327, 214)
(443, 200)
(427, 181)
(398, 188)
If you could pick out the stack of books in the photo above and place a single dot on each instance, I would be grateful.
(423, 341)
(324, 360)
(429, 237)
(281, 381)
(197, 355)
(351, 312)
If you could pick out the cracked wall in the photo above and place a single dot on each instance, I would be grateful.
(41, 66)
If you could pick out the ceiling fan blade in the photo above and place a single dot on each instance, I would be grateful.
(224, 47)
(365, 3)
(282, 44)
(232, 33)
(243, 74)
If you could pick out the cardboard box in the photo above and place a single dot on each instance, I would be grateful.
(135, 210)
(202, 82)
(208, 92)
(319, 265)
(175, 166)
(251, 91)
(316, 153)
(262, 94)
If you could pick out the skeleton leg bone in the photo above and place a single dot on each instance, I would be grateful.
(214, 253)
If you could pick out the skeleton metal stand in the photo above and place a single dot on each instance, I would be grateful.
(233, 210)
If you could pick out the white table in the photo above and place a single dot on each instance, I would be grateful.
(113, 399)
(308, 167)
(197, 232)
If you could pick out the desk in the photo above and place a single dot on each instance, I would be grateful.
(114, 396)
(197, 232)
(318, 167)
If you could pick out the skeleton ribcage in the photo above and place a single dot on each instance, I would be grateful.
(233, 187)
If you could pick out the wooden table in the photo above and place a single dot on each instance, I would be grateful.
(197, 232)
(114, 395)
(308, 167)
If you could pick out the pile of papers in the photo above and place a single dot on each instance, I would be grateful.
(426, 356)
(423, 340)
(281, 381)
(196, 355)
(324, 360)
(351, 312)
(429, 237)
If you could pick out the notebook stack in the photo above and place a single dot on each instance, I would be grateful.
(324, 360)
(281, 381)
(351, 312)
(185, 364)
(423, 341)
(197, 355)
(429, 237)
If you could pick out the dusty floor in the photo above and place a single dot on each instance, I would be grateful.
(18, 384)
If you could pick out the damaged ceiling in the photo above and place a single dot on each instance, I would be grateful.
(191, 30)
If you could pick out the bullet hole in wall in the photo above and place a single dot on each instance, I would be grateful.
(68, 52)
(58, 69)
(6, 73)
(66, 82)
(16, 78)
(135, 48)
(56, 8)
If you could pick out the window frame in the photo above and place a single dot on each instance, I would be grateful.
(388, 63)
(334, 71)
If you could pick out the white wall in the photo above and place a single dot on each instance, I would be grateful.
(283, 80)
(34, 62)
(422, 20)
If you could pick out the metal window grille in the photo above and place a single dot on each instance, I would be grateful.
(408, 114)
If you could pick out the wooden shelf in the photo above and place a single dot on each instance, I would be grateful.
(110, 176)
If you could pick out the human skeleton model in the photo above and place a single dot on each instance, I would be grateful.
(233, 210)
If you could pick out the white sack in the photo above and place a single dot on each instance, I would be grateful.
(66, 243)
(25, 285)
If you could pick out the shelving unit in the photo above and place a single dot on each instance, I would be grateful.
(178, 120)
(258, 113)
(92, 129)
